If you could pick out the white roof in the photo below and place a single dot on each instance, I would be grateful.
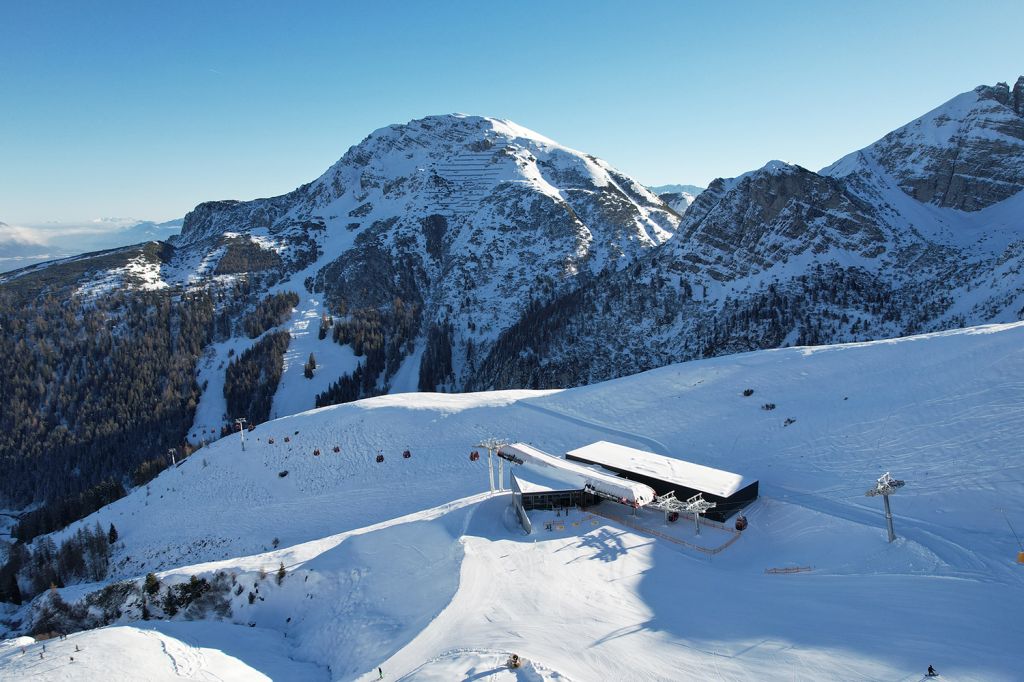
(668, 469)
(531, 481)
(540, 464)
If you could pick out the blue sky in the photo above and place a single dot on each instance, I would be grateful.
(144, 109)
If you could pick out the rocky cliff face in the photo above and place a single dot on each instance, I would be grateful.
(747, 225)
(967, 154)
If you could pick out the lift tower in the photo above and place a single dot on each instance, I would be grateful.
(885, 486)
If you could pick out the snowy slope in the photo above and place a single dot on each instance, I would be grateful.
(158, 652)
(405, 564)
(480, 255)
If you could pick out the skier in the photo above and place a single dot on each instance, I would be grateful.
(380, 673)
(931, 672)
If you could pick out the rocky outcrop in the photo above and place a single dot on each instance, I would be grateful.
(967, 154)
(747, 225)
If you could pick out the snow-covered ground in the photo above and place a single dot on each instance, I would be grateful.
(296, 393)
(409, 565)
(201, 650)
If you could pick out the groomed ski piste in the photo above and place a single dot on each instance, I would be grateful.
(411, 565)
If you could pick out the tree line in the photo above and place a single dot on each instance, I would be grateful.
(251, 379)
(383, 337)
(82, 557)
(94, 388)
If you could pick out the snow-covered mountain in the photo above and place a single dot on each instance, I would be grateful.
(967, 154)
(783, 255)
(406, 564)
(444, 231)
(467, 253)
(678, 197)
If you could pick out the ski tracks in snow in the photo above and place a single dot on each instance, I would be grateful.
(187, 660)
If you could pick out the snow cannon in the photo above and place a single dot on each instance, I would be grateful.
(474, 456)
(380, 458)
(406, 455)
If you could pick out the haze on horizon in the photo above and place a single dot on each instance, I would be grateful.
(126, 109)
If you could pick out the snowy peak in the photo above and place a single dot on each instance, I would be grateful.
(452, 165)
(966, 154)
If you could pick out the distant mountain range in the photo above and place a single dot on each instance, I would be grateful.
(461, 252)
(21, 246)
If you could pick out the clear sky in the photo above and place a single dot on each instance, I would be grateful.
(144, 109)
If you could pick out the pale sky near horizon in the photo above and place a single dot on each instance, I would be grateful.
(129, 109)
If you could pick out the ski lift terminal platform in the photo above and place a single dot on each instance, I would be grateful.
(730, 492)
(607, 471)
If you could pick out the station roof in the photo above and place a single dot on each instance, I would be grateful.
(537, 463)
(532, 481)
(668, 469)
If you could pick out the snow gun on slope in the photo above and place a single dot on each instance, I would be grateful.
(603, 485)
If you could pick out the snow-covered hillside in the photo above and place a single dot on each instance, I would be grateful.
(408, 565)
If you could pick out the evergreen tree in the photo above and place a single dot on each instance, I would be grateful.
(152, 584)
(170, 603)
(11, 592)
(112, 534)
(281, 573)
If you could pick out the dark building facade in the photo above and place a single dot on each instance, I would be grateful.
(664, 477)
